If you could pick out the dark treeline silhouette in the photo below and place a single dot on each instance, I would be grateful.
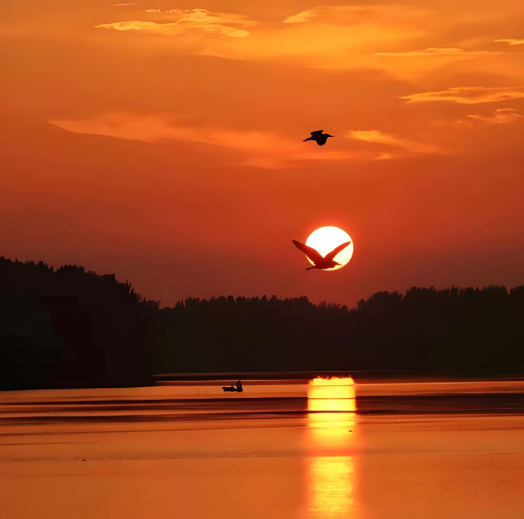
(462, 331)
(72, 328)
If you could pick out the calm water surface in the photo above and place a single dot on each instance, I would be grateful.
(186, 452)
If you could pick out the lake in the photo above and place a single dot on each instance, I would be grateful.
(439, 449)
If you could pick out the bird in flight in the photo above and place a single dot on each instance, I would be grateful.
(321, 262)
(319, 137)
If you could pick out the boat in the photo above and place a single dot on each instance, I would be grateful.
(233, 389)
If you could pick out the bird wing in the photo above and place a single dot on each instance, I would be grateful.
(336, 250)
(311, 253)
(318, 132)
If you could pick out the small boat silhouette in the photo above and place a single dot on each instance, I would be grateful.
(233, 389)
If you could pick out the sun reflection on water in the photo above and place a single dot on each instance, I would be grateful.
(331, 487)
(331, 418)
(331, 405)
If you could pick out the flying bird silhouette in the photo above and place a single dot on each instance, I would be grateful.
(319, 137)
(320, 262)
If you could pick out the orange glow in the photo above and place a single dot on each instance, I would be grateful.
(135, 143)
(325, 239)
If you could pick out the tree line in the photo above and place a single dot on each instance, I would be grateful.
(73, 328)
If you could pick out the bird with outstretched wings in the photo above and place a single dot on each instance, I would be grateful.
(310, 252)
(331, 255)
(321, 262)
(319, 137)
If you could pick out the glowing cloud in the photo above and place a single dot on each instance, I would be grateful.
(468, 95)
(500, 116)
(350, 14)
(136, 25)
(389, 140)
(384, 156)
(510, 41)
(183, 20)
(437, 51)
(327, 37)
(259, 149)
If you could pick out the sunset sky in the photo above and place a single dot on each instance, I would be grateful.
(162, 141)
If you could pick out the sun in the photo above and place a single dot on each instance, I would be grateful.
(325, 239)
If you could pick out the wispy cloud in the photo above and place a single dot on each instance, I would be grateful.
(258, 149)
(343, 37)
(510, 41)
(321, 13)
(378, 137)
(384, 156)
(350, 14)
(468, 95)
(179, 21)
(437, 51)
(500, 116)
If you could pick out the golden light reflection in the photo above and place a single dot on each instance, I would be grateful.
(332, 387)
(331, 487)
(331, 414)
(331, 419)
(331, 405)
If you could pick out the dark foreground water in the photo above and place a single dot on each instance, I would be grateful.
(423, 450)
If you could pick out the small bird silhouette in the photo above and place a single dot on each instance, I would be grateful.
(320, 262)
(319, 137)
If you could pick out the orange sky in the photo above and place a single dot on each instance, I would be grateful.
(162, 141)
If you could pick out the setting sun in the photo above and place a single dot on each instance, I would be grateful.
(325, 239)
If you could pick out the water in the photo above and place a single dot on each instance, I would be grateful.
(184, 451)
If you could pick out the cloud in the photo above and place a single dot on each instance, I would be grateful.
(437, 51)
(468, 95)
(332, 37)
(179, 21)
(329, 37)
(273, 161)
(133, 26)
(258, 149)
(510, 42)
(500, 116)
(478, 121)
(323, 13)
(378, 137)
(384, 156)
(352, 14)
